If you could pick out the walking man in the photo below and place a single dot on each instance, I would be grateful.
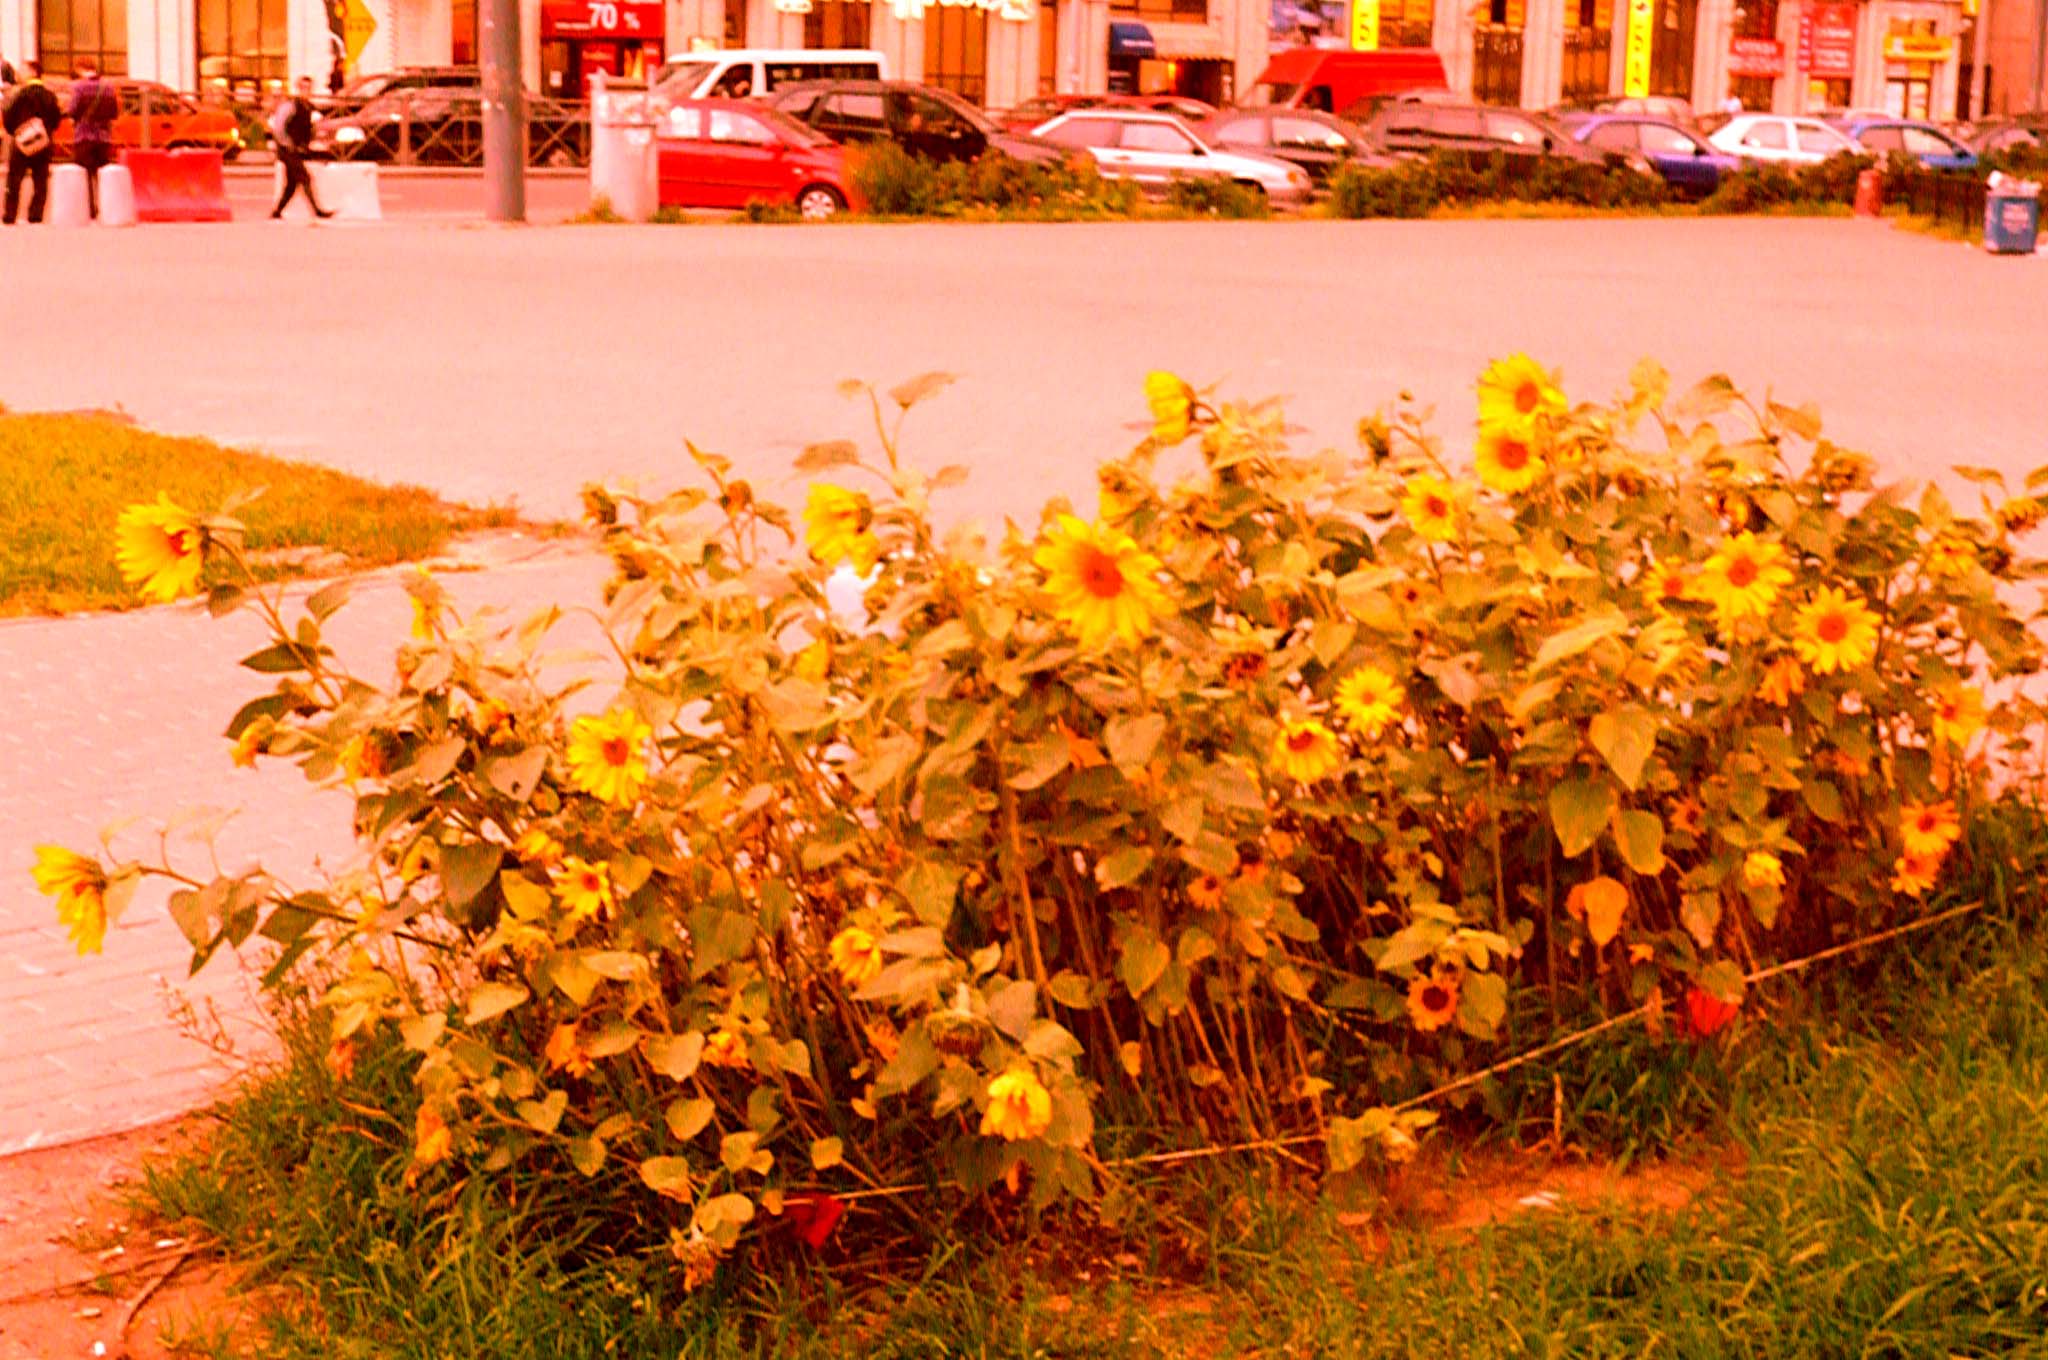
(32, 114)
(94, 106)
(291, 128)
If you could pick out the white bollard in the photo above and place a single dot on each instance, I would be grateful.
(348, 189)
(69, 206)
(117, 196)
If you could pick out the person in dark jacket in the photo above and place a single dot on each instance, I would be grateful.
(30, 103)
(292, 127)
(94, 106)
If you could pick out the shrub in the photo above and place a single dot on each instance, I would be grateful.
(1405, 190)
(896, 183)
(1753, 188)
(1211, 196)
(1238, 813)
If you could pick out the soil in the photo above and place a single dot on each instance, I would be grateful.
(82, 1275)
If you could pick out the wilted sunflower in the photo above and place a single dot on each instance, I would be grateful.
(1019, 1106)
(856, 955)
(80, 887)
(160, 549)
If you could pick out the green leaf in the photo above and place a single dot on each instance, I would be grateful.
(467, 869)
(886, 761)
(322, 603)
(1143, 960)
(1131, 741)
(1823, 800)
(1587, 632)
(1074, 991)
(929, 886)
(281, 659)
(1700, 914)
(1641, 838)
(909, 394)
(516, 776)
(587, 1155)
(544, 1116)
(1579, 812)
(1043, 761)
(492, 999)
(688, 1116)
(667, 1176)
(827, 1153)
(1182, 818)
(1625, 738)
(1482, 1004)
(717, 937)
(1723, 981)
(619, 965)
(1226, 784)
(1121, 868)
(832, 453)
(1012, 1009)
(675, 1056)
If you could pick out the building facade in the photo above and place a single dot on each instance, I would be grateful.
(1921, 58)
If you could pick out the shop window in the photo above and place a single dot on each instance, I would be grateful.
(242, 45)
(1406, 23)
(462, 33)
(838, 23)
(1164, 11)
(1588, 47)
(1497, 64)
(1048, 47)
(68, 30)
(956, 50)
(1671, 47)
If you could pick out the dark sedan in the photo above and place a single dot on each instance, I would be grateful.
(936, 124)
(1317, 142)
(1417, 127)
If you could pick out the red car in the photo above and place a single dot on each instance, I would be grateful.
(727, 153)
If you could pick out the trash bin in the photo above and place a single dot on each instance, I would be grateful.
(2012, 216)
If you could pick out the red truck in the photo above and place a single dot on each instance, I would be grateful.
(1349, 83)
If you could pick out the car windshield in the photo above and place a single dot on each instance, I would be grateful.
(683, 76)
(974, 117)
(789, 129)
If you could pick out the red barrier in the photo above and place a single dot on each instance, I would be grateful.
(178, 186)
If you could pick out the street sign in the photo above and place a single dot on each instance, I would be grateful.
(1365, 25)
(357, 24)
(1635, 67)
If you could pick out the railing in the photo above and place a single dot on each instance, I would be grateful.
(1957, 198)
(431, 127)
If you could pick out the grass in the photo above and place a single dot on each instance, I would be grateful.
(1882, 1189)
(64, 480)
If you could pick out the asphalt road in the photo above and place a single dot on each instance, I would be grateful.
(508, 363)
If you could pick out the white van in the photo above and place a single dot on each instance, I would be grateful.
(756, 71)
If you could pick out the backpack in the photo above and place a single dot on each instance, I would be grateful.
(32, 138)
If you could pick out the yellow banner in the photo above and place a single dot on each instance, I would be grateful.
(1918, 47)
(1635, 67)
(357, 24)
(1365, 25)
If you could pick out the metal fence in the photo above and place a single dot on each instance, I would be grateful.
(1955, 197)
(446, 128)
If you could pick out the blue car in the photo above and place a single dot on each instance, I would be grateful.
(1691, 167)
(1933, 148)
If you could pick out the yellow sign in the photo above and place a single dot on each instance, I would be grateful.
(357, 24)
(1365, 25)
(1635, 66)
(1918, 47)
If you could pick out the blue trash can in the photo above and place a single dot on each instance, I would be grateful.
(2012, 223)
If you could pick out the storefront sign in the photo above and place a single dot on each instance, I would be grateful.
(1365, 25)
(792, 6)
(1756, 57)
(629, 20)
(1016, 11)
(1827, 41)
(1635, 68)
(1918, 47)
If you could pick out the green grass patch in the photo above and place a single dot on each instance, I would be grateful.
(1883, 1191)
(64, 480)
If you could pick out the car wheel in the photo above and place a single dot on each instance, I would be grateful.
(819, 203)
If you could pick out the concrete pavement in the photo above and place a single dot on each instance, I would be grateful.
(514, 364)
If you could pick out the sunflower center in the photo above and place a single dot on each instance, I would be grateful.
(1674, 586)
(1437, 507)
(616, 751)
(1742, 572)
(1513, 456)
(1301, 742)
(1100, 574)
(179, 541)
(1832, 628)
(1436, 997)
(1528, 396)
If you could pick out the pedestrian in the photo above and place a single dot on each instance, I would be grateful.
(94, 106)
(291, 129)
(32, 113)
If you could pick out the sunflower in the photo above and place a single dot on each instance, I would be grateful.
(1369, 699)
(1432, 507)
(1929, 828)
(585, 888)
(1507, 461)
(1432, 1001)
(1173, 403)
(2022, 514)
(1306, 751)
(160, 549)
(431, 1140)
(1782, 682)
(424, 620)
(1835, 632)
(1665, 584)
(1958, 714)
(1951, 557)
(1206, 892)
(565, 1050)
(837, 527)
(536, 846)
(1516, 392)
(725, 1048)
(1101, 583)
(1839, 470)
(80, 887)
(1019, 1106)
(856, 955)
(1762, 869)
(1914, 874)
(1743, 577)
(608, 756)
(249, 745)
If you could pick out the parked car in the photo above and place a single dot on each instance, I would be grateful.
(363, 89)
(1335, 81)
(1046, 107)
(933, 123)
(176, 121)
(1415, 126)
(1317, 142)
(1152, 150)
(1687, 162)
(1663, 107)
(725, 153)
(756, 72)
(1934, 148)
(1774, 139)
(445, 126)
(2003, 134)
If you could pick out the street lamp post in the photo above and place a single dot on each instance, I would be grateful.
(504, 97)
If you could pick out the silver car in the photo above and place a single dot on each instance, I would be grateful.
(1152, 150)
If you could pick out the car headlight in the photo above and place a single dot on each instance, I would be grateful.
(348, 135)
(1297, 177)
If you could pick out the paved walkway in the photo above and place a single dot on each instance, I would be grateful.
(501, 364)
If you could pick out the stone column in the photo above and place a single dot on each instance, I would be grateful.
(1542, 53)
(693, 19)
(1012, 61)
(1084, 47)
(1866, 87)
(899, 40)
(1788, 91)
(1712, 29)
(1451, 36)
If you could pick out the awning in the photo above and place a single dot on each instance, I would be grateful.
(1131, 40)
